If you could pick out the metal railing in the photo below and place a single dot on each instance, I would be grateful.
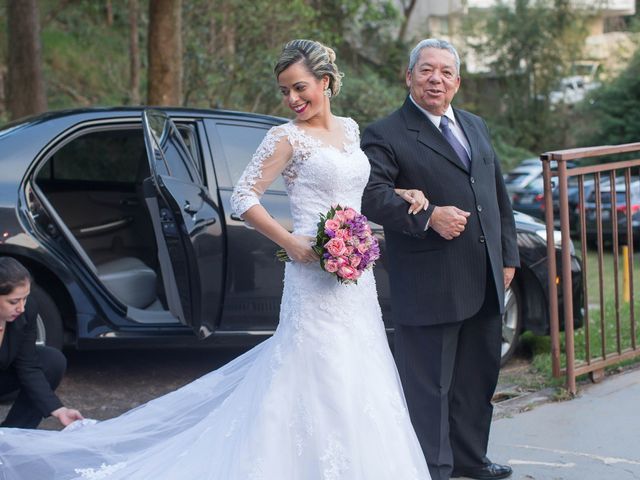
(597, 223)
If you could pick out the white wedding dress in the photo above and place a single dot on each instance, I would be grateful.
(320, 400)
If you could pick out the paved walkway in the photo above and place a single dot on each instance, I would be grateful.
(593, 437)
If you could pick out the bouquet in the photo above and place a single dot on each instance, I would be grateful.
(345, 244)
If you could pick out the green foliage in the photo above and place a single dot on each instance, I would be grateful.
(231, 45)
(611, 115)
(86, 61)
(532, 46)
(230, 48)
(510, 155)
(3, 54)
(366, 96)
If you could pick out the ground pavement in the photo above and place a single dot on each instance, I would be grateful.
(595, 436)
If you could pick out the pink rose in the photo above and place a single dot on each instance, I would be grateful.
(354, 260)
(342, 233)
(340, 216)
(342, 261)
(362, 248)
(332, 225)
(350, 213)
(349, 250)
(331, 265)
(335, 247)
(348, 273)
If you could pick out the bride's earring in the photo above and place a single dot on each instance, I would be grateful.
(327, 92)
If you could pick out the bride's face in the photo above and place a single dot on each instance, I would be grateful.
(302, 92)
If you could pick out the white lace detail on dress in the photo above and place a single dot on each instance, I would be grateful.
(257, 472)
(244, 197)
(103, 472)
(301, 425)
(335, 460)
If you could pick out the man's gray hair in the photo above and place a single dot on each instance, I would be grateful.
(433, 43)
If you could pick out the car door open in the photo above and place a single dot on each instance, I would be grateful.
(186, 225)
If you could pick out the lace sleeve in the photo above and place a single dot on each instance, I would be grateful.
(352, 130)
(269, 160)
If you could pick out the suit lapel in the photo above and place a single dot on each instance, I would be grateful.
(428, 134)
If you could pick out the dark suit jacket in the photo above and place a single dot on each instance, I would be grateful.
(18, 352)
(434, 280)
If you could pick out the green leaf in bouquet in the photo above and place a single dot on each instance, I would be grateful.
(281, 255)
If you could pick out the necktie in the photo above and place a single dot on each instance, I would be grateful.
(454, 142)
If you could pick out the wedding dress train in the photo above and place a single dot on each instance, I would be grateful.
(320, 399)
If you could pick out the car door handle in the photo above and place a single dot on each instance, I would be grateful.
(104, 228)
(238, 218)
(188, 208)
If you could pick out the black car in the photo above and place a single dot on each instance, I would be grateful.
(623, 217)
(530, 199)
(123, 217)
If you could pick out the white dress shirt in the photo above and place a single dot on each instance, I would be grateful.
(453, 125)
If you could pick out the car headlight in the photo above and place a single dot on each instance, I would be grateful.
(557, 239)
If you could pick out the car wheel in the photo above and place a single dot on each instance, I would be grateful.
(49, 321)
(511, 323)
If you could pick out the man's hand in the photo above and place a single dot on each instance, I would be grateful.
(508, 273)
(66, 415)
(449, 222)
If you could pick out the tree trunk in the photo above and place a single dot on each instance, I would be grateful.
(407, 10)
(134, 54)
(228, 31)
(165, 52)
(3, 98)
(212, 38)
(25, 82)
(109, 12)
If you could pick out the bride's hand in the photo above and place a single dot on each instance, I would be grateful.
(300, 249)
(416, 199)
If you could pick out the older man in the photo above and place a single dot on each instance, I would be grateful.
(449, 265)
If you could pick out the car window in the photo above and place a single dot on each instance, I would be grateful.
(573, 182)
(104, 156)
(173, 156)
(188, 134)
(536, 184)
(239, 142)
(515, 177)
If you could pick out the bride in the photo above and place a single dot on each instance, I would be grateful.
(321, 398)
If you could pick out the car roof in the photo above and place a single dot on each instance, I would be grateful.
(530, 161)
(23, 140)
(621, 187)
(125, 111)
(527, 169)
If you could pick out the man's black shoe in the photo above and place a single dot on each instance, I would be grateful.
(491, 471)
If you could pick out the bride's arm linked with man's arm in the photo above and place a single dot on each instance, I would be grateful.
(384, 195)
(269, 161)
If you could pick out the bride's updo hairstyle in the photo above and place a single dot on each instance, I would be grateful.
(319, 60)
